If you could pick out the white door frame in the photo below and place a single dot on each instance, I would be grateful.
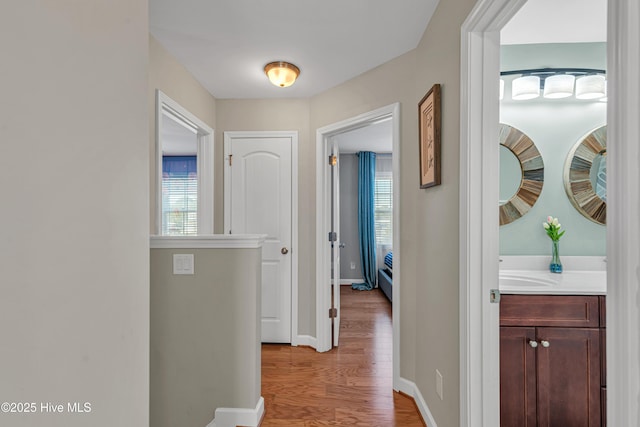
(323, 225)
(479, 332)
(205, 159)
(293, 250)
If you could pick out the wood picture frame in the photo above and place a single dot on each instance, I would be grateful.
(429, 121)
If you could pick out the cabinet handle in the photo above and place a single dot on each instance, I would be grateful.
(545, 343)
(533, 343)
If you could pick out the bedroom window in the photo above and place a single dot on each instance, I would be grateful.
(184, 171)
(383, 208)
(180, 195)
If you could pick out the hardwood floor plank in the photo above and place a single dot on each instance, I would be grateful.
(348, 386)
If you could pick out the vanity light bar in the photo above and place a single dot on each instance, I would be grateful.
(557, 83)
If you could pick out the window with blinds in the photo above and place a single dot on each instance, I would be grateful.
(383, 208)
(179, 196)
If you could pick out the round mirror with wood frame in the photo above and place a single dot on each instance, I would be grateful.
(578, 175)
(532, 178)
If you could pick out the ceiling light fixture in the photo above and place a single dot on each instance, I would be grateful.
(281, 74)
(557, 83)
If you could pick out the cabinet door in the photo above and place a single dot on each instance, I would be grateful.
(517, 377)
(568, 377)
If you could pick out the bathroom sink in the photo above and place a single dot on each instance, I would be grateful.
(545, 282)
(529, 281)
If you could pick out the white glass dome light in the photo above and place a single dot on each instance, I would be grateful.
(591, 87)
(558, 86)
(525, 87)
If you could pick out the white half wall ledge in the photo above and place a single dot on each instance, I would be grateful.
(210, 241)
(232, 417)
(411, 389)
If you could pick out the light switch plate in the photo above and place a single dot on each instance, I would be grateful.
(183, 264)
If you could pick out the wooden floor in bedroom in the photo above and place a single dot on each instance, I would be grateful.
(348, 386)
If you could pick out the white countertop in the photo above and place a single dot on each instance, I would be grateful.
(581, 276)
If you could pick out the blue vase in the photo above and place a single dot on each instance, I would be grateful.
(555, 266)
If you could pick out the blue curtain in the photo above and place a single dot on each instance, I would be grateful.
(179, 166)
(366, 225)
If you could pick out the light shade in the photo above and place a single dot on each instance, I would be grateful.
(559, 86)
(590, 87)
(525, 87)
(281, 74)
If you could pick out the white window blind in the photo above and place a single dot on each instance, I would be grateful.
(383, 208)
(179, 203)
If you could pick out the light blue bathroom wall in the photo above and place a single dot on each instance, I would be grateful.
(554, 126)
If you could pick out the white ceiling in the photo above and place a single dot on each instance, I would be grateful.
(226, 43)
(375, 137)
(557, 21)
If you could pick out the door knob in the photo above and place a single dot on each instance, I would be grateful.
(545, 343)
(341, 245)
(284, 251)
(533, 343)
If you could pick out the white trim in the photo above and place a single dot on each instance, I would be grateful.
(205, 156)
(344, 282)
(228, 136)
(307, 340)
(411, 389)
(479, 116)
(323, 300)
(214, 241)
(623, 221)
(232, 417)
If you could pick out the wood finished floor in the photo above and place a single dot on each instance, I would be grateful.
(348, 386)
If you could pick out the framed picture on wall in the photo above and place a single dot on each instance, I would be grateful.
(429, 131)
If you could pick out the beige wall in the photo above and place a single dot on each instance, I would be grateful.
(429, 218)
(168, 75)
(437, 221)
(205, 335)
(285, 115)
(74, 247)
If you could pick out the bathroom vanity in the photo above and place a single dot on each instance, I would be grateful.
(552, 348)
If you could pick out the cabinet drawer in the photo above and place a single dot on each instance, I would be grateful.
(549, 310)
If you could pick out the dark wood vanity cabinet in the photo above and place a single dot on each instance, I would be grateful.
(551, 364)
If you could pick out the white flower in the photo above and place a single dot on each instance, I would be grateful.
(558, 226)
(549, 219)
(555, 222)
(545, 225)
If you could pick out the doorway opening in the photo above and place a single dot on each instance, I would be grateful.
(326, 145)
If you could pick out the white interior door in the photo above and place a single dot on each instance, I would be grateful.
(335, 244)
(260, 203)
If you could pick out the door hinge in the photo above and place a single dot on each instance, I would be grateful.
(333, 313)
(333, 236)
(494, 296)
(230, 159)
(333, 160)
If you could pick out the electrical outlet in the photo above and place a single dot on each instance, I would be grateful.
(439, 385)
(353, 265)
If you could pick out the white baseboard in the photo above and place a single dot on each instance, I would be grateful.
(411, 389)
(350, 281)
(307, 340)
(232, 417)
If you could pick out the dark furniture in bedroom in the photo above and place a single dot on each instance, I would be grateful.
(385, 276)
